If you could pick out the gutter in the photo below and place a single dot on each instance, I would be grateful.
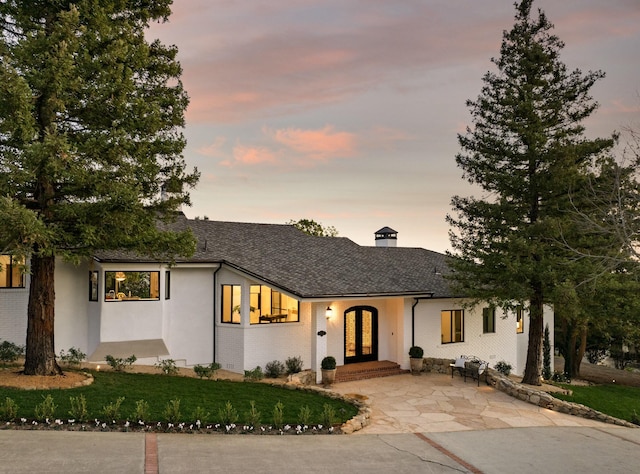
(413, 317)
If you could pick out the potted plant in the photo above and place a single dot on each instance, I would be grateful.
(415, 358)
(328, 366)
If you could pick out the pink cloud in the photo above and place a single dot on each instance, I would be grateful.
(251, 155)
(318, 145)
(213, 150)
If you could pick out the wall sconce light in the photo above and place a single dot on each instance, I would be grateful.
(328, 313)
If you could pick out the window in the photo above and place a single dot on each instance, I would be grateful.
(271, 306)
(452, 326)
(167, 285)
(93, 286)
(231, 300)
(488, 320)
(132, 286)
(519, 320)
(11, 275)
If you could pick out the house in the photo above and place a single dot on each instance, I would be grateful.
(253, 293)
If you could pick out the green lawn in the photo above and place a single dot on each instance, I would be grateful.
(616, 400)
(158, 390)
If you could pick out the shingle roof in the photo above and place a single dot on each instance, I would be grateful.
(309, 266)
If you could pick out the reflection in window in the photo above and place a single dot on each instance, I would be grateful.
(131, 286)
(11, 275)
(231, 300)
(93, 285)
(488, 320)
(452, 326)
(271, 306)
(519, 320)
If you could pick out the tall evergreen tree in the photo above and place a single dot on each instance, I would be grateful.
(526, 150)
(90, 118)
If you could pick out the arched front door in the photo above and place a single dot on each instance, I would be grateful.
(360, 334)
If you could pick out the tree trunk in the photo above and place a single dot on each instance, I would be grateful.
(580, 350)
(534, 349)
(40, 357)
(570, 353)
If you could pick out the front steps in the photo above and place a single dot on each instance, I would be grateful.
(367, 370)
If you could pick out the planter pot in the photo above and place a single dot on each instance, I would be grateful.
(328, 376)
(416, 365)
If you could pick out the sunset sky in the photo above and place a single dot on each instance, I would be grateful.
(347, 111)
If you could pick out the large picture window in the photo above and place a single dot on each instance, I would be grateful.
(231, 301)
(452, 326)
(11, 274)
(271, 306)
(132, 286)
(488, 320)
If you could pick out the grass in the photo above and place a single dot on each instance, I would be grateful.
(159, 390)
(616, 400)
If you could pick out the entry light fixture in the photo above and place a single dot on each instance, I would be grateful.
(328, 313)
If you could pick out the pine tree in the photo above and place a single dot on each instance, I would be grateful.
(526, 151)
(90, 118)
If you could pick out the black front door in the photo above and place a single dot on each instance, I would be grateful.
(360, 334)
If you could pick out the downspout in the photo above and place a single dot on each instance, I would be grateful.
(215, 285)
(413, 317)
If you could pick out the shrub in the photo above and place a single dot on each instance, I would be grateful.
(416, 352)
(9, 351)
(46, 409)
(328, 363)
(294, 365)
(167, 366)
(546, 355)
(9, 410)
(278, 415)
(199, 414)
(141, 411)
(561, 377)
(112, 410)
(227, 415)
(635, 419)
(74, 357)
(207, 371)
(274, 369)
(78, 410)
(254, 375)
(328, 415)
(503, 367)
(172, 412)
(253, 416)
(119, 364)
(304, 415)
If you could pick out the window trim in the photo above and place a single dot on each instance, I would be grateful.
(270, 318)
(453, 332)
(9, 269)
(519, 320)
(133, 297)
(489, 314)
(228, 319)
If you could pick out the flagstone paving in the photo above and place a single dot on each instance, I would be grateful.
(431, 403)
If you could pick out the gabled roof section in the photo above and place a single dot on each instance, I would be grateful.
(309, 266)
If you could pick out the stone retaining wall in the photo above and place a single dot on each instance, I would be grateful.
(530, 394)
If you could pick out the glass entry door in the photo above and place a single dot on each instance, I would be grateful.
(360, 334)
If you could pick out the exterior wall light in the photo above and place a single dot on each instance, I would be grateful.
(328, 313)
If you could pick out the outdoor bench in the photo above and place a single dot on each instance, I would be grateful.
(470, 366)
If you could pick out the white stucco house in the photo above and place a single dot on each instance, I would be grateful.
(253, 293)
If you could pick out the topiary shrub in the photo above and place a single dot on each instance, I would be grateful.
(328, 363)
(416, 352)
